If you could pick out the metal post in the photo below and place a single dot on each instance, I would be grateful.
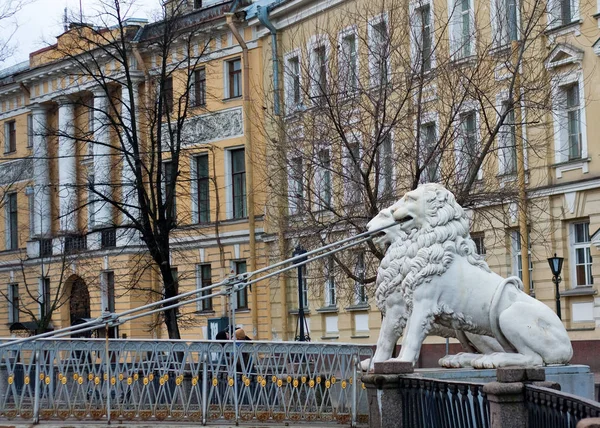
(354, 408)
(556, 280)
(36, 401)
(204, 388)
(233, 303)
(301, 318)
(107, 338)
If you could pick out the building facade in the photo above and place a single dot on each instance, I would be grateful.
(79, 119)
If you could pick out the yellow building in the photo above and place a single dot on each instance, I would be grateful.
(72, 114)
(377, 97)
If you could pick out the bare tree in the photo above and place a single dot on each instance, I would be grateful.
(8, 11)
(378, 99)
(145, 85)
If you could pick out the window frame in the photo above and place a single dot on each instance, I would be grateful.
(198, 90)
(293, 81)
(44, 297)
(502, 32)
(462, 170)
(573, 247)
(236, 213)
(296, 191)
(429, 120)
(11, 211)
(166, 93)
(13, 302)
(349, 63)
(377, 48)
(416, 36)
(462, 43)
(386, 179)
(29, 130)
(204, 279)
(233, 78)
(330, 285)
(241, 295)
(323, 180)
(516, 260)
(318, 66)
(168, 177)
(353, 179)
(200, 183)
(360, 291)
(10, 136)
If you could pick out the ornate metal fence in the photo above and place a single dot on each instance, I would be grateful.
(549, 408)
(432, 403)
(180, 380)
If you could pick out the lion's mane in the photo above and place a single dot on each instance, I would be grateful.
(428, 251)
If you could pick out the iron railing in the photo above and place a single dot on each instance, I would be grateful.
(93, 380)
(549, 408)
(433, 403)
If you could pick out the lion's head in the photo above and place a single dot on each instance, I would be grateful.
(432, 229)
(391, 234)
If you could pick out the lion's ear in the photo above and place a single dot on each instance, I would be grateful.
(441, 194)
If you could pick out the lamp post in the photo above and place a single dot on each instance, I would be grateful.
(556, 267)
(301, 335)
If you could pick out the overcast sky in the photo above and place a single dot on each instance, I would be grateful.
(41, 21)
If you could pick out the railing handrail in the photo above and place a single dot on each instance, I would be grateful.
(563, 395)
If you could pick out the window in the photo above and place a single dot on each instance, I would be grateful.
(508, 141)
(197, 4)
(234, 81)
(10, 137)
(13, 303)
(169, 196)
(45, 247)
(91, 112)
(353, 173)
(422, 39)
(331, 295)
(199, 87)
(379, 53)
(29, 130)
(323, 180)
(581, 256)
(319, 74)
(467, 147)
(202, 189)
(563, 12)
(384, 167)
(293, 89)
(75, 243)
(166, 94)
(349, 63)
(296, 185)
(359, 285)
(461, 29)
(572, 110)
(242, 295)
(517, 263)
(238, 179)
(305, 288)
(108, 303)
(12, 231)
(44, 300)
(479, 239)
(204, 279)
(505, 21)
(108, 238)
(430, 160)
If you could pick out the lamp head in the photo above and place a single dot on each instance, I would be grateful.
(555, 264)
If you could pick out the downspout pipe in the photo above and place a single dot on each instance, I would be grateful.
(249, 163)
(263, 17)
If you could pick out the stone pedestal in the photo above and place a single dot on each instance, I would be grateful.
(384, 395)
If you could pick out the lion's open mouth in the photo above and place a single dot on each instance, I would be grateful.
(404, 219)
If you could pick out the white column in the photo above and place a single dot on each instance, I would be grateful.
(128, 114)
(102, 160)
(67, 171)
(41, 173)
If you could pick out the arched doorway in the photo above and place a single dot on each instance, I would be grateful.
(79, 300)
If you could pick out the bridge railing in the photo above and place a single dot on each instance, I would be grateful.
(82, 379)
(551, 408)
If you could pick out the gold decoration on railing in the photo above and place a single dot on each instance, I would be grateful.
(333, 380)
(344, 384)
(63, 380)
(327, 384)
(350, 380)
(42, 376)
(136, 377)
(263, 383)
(311, 383)
(113, 380)
(91, 377)
(121, 377)
(47, 380)
(178, 381)
(129, 380)
(10, 379)
(230, 381)
(26, 380)
(289, 379)
(303, 379)
(247, 381)
(151, 377)
(215, 381)
(279, 383)
(274, 379)
(146, 381)
(80, 380)
(363, 386)
(194, 381)
(259, 379)
(105, 377)
(161, 381)
(318, 379)
(295, 383)
(75, 377)
(166, 376)
(97, 380)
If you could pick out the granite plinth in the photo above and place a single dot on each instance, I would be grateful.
(574, 379)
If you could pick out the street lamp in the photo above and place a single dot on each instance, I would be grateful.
(301, 327)
(556, 267)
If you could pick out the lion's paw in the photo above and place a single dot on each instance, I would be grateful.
(486, 361)
(462, 359)
(366, 365)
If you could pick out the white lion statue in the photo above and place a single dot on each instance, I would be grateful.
(431, 281)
